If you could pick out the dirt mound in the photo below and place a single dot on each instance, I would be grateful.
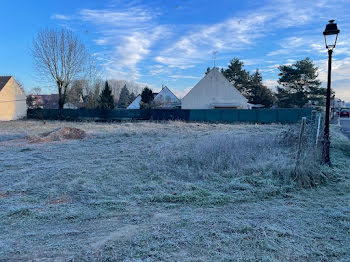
(59, 134)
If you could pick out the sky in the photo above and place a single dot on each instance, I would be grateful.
(155, 42)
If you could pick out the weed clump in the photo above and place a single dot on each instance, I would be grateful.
(266, 156)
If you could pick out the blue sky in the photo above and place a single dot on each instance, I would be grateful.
(159, 42)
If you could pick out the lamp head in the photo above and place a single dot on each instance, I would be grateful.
(331, 35)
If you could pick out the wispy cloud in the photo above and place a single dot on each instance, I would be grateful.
(184, 77)
(194, 47)
(136, 41)
(121, 18)
(180, 93)
(61, 17)
(126, 36)
(234, 34)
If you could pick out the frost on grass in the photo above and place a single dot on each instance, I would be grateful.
(170, 191)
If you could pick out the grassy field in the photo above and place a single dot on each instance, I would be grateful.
(171, 191)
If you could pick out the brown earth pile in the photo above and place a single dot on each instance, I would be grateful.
(59, 134)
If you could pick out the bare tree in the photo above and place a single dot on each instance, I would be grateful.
(60, 56)
(36, 90)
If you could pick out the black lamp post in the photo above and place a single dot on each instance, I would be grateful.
(330, 38)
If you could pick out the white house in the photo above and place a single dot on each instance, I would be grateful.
(135, 104)
(214, 91)
(12, 99)
(337, 103)
(164, 99)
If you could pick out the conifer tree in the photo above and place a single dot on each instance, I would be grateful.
(146, 98)
(299, 85)
(106, 98)
(237, 76)
(124, 98)
(258, 93)
(132, 97)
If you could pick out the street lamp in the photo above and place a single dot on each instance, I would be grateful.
(330, 38)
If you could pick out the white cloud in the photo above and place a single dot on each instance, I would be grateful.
(61, 17)
(180, 93)
(198, 46)
(340, 69)
(184, 77)
(158, 69)
(237, 33)
(126, 35)
(271, 83)
(121, 18)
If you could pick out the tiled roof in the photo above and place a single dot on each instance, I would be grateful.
(3, 81)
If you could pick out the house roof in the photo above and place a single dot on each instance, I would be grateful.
(3, 81)
(164, 90)
(208, 79)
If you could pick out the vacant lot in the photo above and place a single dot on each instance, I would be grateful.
(170, 192)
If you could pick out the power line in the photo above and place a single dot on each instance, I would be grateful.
(12, 101)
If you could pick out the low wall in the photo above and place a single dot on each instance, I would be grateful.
(199, 115)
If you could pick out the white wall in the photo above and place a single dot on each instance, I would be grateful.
(12, 102)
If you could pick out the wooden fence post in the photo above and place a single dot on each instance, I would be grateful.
(297, 164)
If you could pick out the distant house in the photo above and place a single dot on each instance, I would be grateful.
(135, 104)
(74, 104)
(70, 105)
(46, 101)
(337, 103)
(12, 99)
(164, 99)
(214, 91)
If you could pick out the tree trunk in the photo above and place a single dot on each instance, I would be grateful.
(60, 96)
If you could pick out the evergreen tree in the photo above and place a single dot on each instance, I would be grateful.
(257, 92)
(106, 98)
(299, 85)
(91, 99)
(132, 97)
(237, 75)
(146, 98)
(124, 98)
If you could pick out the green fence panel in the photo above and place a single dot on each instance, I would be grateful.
(267, 115)
(287, 115)
(123, 114)
(201, 115)
(170, 114)
(305, 113)
(213, 115)
(247, 115)
(197, 115)
(290, 115)
(229, 115)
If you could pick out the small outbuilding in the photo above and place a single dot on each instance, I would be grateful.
(214, 91)
(12, 99)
